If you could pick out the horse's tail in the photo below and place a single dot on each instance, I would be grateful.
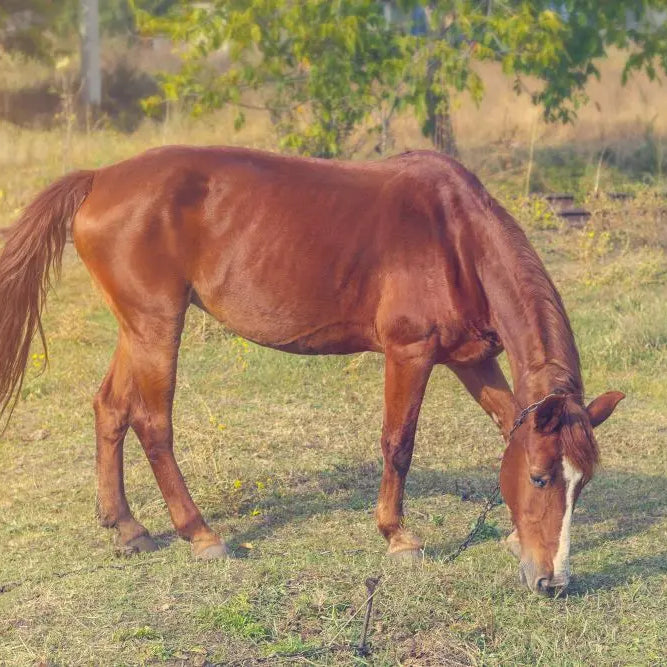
(34, 247)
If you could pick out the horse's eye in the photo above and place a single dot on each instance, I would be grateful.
(538, 481)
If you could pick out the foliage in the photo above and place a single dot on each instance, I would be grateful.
(583, 31)
(533, 212)
(46, 29)
(328, 67)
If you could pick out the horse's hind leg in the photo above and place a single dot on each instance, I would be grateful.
(112, 414)
(153, 348)
(406, 375)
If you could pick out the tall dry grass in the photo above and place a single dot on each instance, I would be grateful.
(617, 138)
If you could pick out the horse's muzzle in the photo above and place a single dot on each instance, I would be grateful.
(541, 582)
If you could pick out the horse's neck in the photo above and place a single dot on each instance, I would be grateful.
(542, 353)
(533, 384)
(529, 316)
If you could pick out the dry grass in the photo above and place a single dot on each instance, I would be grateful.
(613, 110)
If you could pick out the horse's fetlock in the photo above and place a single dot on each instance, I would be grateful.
(105, 519)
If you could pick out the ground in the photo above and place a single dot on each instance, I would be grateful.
(282, 454)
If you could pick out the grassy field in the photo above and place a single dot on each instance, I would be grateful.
(282, 455)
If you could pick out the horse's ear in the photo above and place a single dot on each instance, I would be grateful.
(548, 415)
(601, 407)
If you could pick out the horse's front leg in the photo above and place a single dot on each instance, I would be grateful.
(407, 370)
(487, 385)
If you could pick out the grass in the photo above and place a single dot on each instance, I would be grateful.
(281, 453)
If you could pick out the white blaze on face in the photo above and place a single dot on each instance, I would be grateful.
(572, 475)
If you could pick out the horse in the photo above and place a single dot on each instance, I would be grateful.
(407, 256)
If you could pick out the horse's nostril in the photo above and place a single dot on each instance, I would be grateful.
(542, 585)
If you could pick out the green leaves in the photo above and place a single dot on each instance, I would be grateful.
(327, 67)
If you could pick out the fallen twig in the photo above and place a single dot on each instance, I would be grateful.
(371, 587)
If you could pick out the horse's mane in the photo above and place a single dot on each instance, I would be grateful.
(553, 325)
(577, 440)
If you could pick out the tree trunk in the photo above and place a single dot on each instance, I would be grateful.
(440, 127)
(91, 72)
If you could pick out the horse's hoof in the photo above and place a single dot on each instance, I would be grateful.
(139, 544)
(405, 555)
(404, 546)
(211, 552)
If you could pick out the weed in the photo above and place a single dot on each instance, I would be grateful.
(234, 617)
(488, 531)
(143, 632)
(291, 645)
(533, 212)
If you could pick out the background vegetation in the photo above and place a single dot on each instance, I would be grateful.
(281, 452)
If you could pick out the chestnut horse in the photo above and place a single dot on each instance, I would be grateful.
(408, 256)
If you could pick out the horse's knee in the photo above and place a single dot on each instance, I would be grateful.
(155, 435)
(157, 451)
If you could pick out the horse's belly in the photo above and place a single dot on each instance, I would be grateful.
(299, 327)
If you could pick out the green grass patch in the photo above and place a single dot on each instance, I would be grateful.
(234, 617)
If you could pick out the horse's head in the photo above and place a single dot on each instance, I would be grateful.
(549, 459)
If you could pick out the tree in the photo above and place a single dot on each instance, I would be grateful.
(328, 66)
(46, 29)
(91, 69)
(325, 67)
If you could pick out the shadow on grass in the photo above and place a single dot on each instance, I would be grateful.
(618, 573)
(163, 540)
(355, 487)
(630, 503)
